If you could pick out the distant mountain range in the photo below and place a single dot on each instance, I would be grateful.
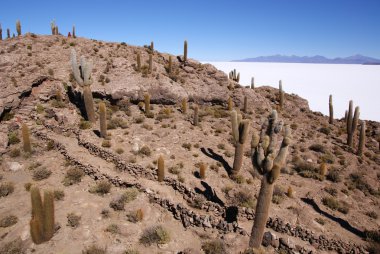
(356, 59)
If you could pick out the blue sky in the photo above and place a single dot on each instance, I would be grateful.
(215, 30)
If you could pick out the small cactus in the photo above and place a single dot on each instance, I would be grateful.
(352, 123)
(147, 103)
(26, 138)
(245, 105)
(140, 214)
(150, 63)
(196, 115)
(361, 139)
(239, 149)
(230, 103)
(58, 95)
(161, 168)
(103, 119)
(281, 95)
(233, 76)
(289, 193)
(18, 27)
(138, 62)
(184, 106)
(268, 163)
(185, 51)
(331, 110)
(202, 170)
(42, 224)
(252, 83)
(170, 65)
(322, 170)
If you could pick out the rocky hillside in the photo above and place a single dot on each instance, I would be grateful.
(106, 191)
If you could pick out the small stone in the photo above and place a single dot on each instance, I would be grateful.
(14, 166)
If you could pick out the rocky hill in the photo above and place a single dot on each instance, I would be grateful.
(106, 191)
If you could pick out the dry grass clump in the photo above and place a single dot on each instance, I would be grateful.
(102, 187)
(244, 198)
(8, 221)
(13, 247)
(59, 195)
(113, 229)
(155, 234)
(73, 220)
(334, 204)
(278, 195)
(94, 249)
(6, 189)
(41, 174)
(73, 175)
(13, 138)
(214, 247)
(145, 151)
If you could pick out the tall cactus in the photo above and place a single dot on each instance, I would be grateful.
(202, 170)
(52, 27)
(74, 35)
(152, 46)
(1, 33)
(235, 121)
(361, 139)
(331, 110)
(252, 83)
(239, 149)
(234, 76)
(8, 33)
(185, 51)
(352, 123)
(103, 119)
(268, 164)
(42, 222)
(196, 115)
(230, 104)
(18, 27)
(82, 75)
(161, 168)
(26, 138)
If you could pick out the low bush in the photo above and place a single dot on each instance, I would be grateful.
(8, 221)
(155, 234)
(214, 247)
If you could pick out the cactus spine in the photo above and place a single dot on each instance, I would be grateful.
(252, 83)
(138, 62)
(196, 115)
(161, 168)
(42, 221)
(26, 138)
(185, 51)
(184, 106)
(239, 149)
(82, 75)
(147, 103)
(352, 123)
(202, 171)
(245, 105)
(331, 110)
(361, 139)
(103, 119)
(18, 27)
(150, 63)
(268, 164)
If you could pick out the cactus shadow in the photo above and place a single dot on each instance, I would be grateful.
(343, 223)
(209, 193)
(210, 153)
(75, 98)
